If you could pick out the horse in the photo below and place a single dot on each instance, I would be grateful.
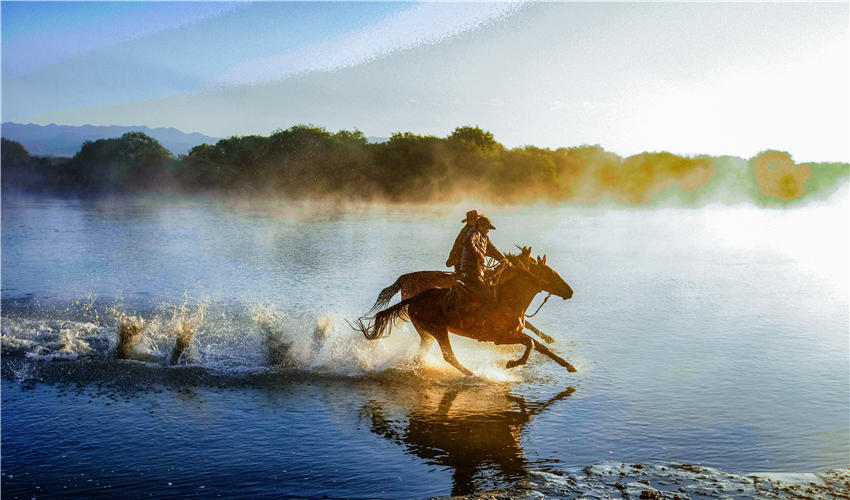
(411, 284)
(520, 279)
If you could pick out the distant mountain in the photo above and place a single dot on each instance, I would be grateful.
(66, 140)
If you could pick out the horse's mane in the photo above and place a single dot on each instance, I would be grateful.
(522, 260)
(518, 260)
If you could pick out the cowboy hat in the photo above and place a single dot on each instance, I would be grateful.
(484, 221)
(471, 216)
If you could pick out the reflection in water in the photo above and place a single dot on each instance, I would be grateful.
(472, 430)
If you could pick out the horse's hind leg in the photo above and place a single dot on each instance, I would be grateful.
(425, 341)
(442, 337)
(528, 342)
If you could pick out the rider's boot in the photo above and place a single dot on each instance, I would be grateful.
(484, 316)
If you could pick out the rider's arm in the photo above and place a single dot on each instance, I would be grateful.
(494, 252)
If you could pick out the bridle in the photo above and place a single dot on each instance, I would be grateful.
(496, 278)
(540, 287)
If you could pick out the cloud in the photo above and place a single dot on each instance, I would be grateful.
(705, 83)
(37, 35)
(597, 105)
(424, 23)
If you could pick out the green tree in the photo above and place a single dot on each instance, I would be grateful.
(132, 161)
(412, 167)
(474, 158)
(13, 153)
(587, 173)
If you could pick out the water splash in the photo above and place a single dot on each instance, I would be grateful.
(259, 338)
(72, 344)
(48, 339)
(185, 321)
(130, 333)
(325, 344)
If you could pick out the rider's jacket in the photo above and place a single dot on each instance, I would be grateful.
(457, 249)
(476, 246)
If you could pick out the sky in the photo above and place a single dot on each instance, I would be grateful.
(689, 78)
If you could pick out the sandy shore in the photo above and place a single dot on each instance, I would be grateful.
(672, 481)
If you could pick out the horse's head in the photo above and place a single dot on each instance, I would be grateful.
(550, 281)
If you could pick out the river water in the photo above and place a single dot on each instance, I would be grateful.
(714, 335)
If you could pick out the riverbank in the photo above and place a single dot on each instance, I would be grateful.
(671, 481)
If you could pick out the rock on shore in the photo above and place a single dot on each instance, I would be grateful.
(672, 481)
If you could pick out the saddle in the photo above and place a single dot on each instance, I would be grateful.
(458, 299)
(462, 303)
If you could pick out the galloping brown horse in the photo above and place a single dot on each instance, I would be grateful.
(411, 284)
(433, 317)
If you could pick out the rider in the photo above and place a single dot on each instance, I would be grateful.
(457, 249)
(477, 246)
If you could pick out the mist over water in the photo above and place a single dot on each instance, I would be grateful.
(716, 335)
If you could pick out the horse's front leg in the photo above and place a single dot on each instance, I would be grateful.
(529, 343)
(561, 361)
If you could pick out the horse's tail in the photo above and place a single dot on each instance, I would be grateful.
(382, 322)
(388, 293)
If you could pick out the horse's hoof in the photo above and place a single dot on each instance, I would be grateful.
(511, 364)
(571, 369)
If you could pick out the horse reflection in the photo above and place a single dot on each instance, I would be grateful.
(473, 430)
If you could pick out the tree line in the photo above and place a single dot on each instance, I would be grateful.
(309, 162)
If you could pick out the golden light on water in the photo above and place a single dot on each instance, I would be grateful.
(813, 239)
(484, 359)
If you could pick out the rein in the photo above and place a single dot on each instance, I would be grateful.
(496, 277)
(539, 308)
